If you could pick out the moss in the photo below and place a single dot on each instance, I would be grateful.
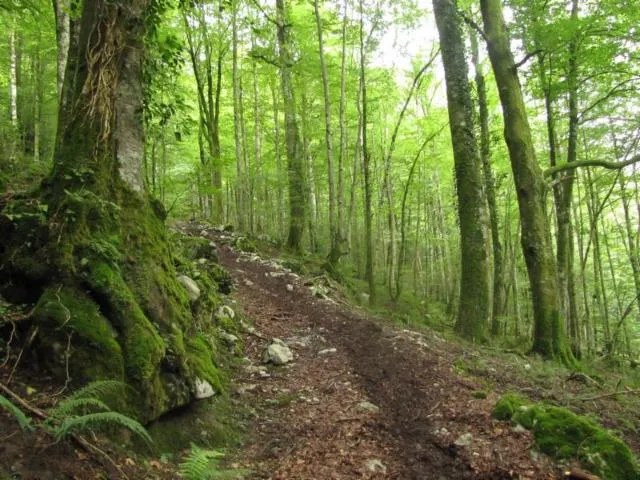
(200, 359)
(193, 248)
(95, 353)
(245, 244)
(562, 434)
(507, 406)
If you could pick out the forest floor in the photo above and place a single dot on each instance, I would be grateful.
(362, 398)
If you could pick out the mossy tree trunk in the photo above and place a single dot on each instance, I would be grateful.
(295, 154)
(549, 332)
(100, 261)
(474, 309)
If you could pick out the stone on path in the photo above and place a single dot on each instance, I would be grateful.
(464, 440)
(289, 287)
(368, 407)
(327, 351)
(277, 353)
(376, 466)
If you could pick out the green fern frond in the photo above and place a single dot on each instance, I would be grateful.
(202, 464)
(99, 389)
(76, 406)
(23, 420)
(99, 419)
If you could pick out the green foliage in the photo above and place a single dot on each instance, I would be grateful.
(202, 464)
(562, 434)
(24, 421)
(92, 421)
(87, 409)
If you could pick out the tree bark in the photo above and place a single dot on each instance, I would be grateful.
(549, 333)
(474, 307)
(61, 11)
(295, 159)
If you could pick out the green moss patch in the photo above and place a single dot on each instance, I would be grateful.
(64, 313)
(562, 434)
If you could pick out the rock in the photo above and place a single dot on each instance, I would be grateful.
(464, 440)
(276, 274)
(442, 431)
(203, 389)
(192, 287)
(327, 351)
(225, 311)
(277, 353)
(368, 407)
(228, 338)
(376, 466)
(364, 298)
(248, 282)
(519, 428)
(289, 287)
(298, 342)
(527, 366)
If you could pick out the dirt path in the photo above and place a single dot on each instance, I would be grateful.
(361, 400)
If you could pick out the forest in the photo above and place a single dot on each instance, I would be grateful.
(463, 173)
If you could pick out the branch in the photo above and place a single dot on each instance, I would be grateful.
(591, 163)
(471, 22)
(264, 58)
(256, 4)
(527, 57)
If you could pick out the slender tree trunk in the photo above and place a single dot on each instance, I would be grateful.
(37, 103)
(489, 183)
(343, 130)
(295, 158)
(549, 332)
(335, 241)
(279, 169)
(237, 128)
(474, 308)
(366, 168)
(61, 10)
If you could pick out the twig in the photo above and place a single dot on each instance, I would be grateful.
(8, 354)
(613, 394)
(24, 347)
(67, 355)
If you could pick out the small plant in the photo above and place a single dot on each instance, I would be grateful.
(202, 464)
(23, 420)
(85, 410)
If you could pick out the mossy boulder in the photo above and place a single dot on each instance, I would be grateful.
(103, 276)
(562, 434)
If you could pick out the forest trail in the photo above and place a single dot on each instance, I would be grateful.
(361, 399)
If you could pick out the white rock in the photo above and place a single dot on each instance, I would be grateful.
(464, 440)
(527, 366)
(225, 311)
(327, 351)
(229, 338)
(248, 282)
(277, 353)
(376, 466)
(192, 287)
(364, 298)
(204, 389)
(289, 287)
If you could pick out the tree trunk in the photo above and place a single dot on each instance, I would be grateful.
(335, 241)
(61, 8)
(366, 168)
(549, 335)
(101, 262)
(497, 310)
(295, 158)
(474, 308)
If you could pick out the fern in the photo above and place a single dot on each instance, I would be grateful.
(74, 406)
(23, 420)
(202, 464)
(98, 389)
(99, 419)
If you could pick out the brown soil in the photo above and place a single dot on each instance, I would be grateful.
(309, 422)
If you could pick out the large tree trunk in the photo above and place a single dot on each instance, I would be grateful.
(474, 308)
(295, 157)
(549, 335)
(100, 264)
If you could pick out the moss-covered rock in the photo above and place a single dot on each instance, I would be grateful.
(562, 434)
(103, 273)
(65, 314)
